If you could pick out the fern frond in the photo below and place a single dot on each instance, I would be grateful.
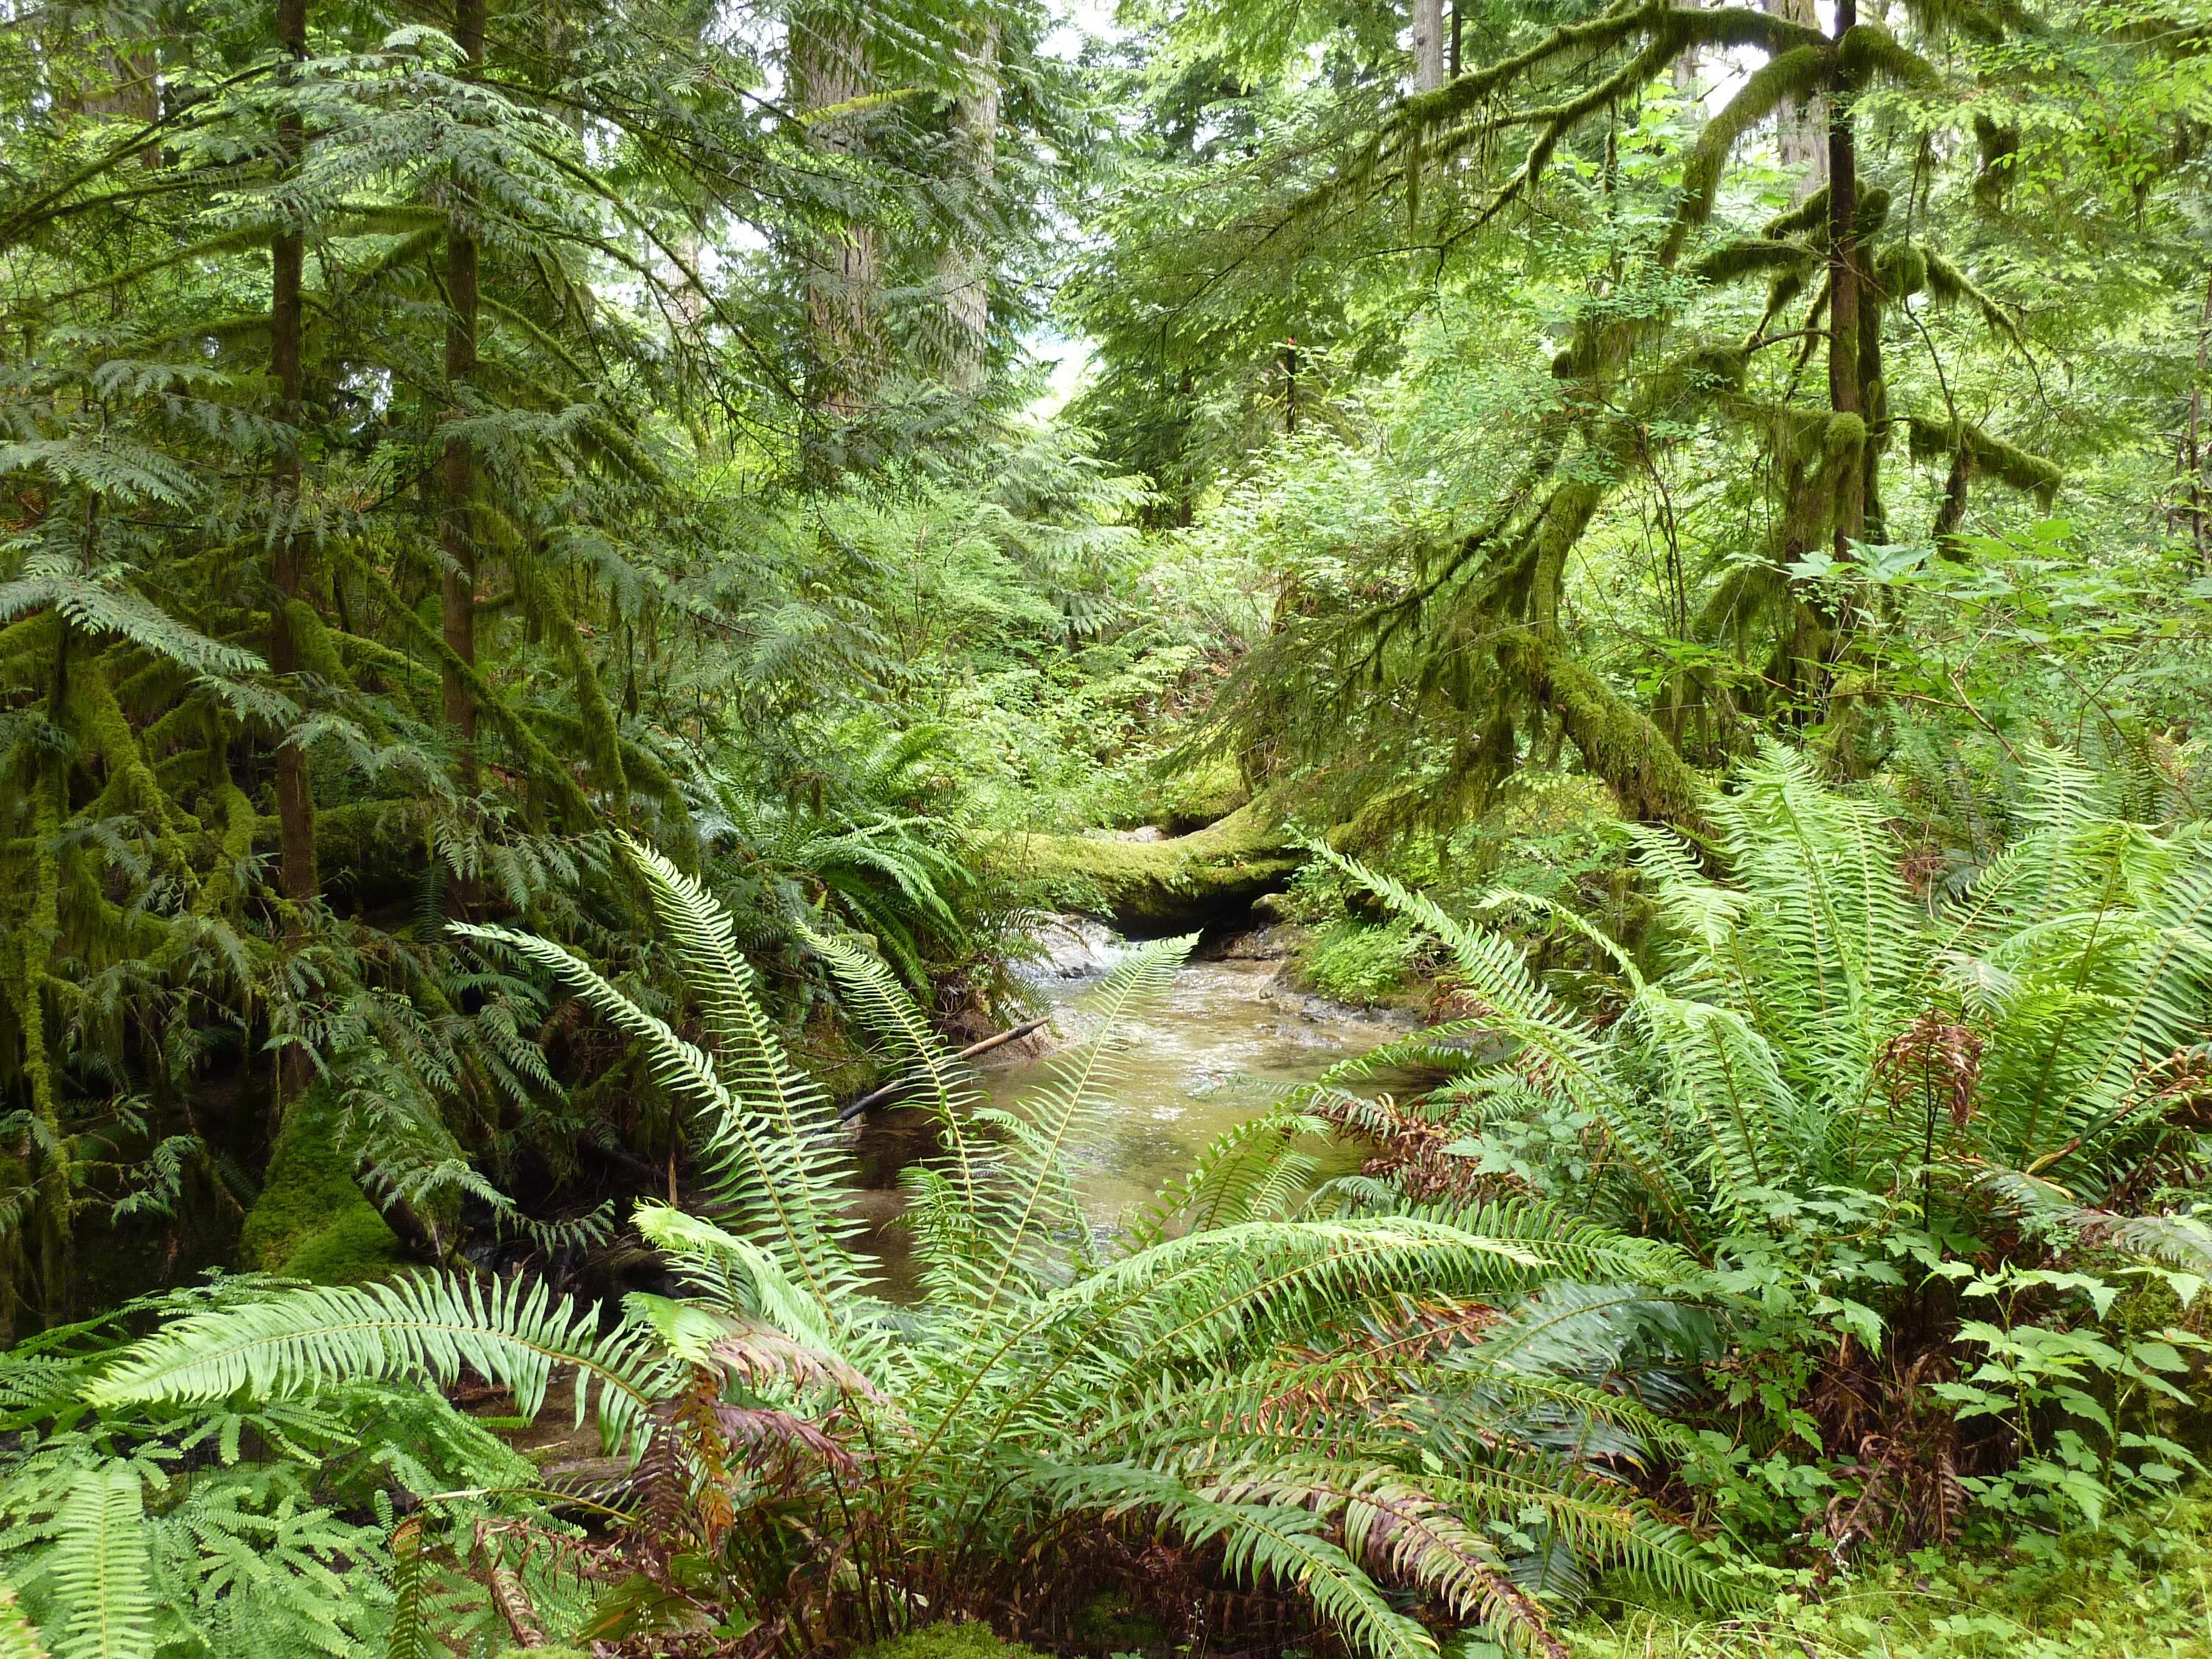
(425, 1328)
(102, 1575)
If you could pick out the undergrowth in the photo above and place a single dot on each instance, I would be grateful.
(2139, 1587)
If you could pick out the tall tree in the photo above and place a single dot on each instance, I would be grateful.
(965, 266)
(295, 805)
(841, 257)
(1428, 52)
(457, 607)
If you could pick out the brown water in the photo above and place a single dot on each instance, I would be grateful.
(1223, 1043)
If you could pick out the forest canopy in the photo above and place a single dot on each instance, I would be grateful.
(603, 602)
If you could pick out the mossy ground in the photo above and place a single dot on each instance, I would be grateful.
(2139, 1587)
(311, 1220)
(949, 1642)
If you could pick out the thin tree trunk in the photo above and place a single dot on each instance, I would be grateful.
(964, 269)
(1428, 45)
(457, 594)
(295, 802)
(2196, 527)
(1452, 57)
(1843, 397)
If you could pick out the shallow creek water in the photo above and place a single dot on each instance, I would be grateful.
(1225, 1040)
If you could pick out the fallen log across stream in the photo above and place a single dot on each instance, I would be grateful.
(1150, 888)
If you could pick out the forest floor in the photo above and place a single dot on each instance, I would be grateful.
(2138, 1588)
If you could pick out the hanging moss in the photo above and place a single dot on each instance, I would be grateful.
(1808, 216)
(1948, 285)
(1870, 213)
(311, 1220)
(1985, 457)
(1901, 270)
(1734, 261)
(1618, 742)
(1869, 52)
(1795, 74)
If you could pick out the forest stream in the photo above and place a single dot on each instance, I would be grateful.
(1228, 1037)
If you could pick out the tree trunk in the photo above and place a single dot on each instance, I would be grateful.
(295, 803)
(1428, 45)
(1843, 291)
(963, 269)
(1803, 135)
(2195, 449)
(457, 593)
(843, 269)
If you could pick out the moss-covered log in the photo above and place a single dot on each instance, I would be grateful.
(311, 1220)
(1150, 888)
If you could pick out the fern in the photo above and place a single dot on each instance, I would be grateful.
(100, 1568)
(427, 1327)
(777, 1408)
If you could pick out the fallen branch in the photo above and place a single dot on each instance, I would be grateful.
(876, 1097)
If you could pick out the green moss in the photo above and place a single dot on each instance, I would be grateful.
(1190, 801)
(1618, 742)
(949, 1642)
(1152, 887)
(2136, 1586)
(311, 1220)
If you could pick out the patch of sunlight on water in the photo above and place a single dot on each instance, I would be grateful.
(1217, 1049)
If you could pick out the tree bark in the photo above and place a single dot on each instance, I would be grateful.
(964, 269)
(1843, 397)
(297, 876)
(1801, 136)
(456, 590)
(843, 269)
(1428, 45)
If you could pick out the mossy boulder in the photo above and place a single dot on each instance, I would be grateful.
(311, 1220)
(1150, 888)
(949, 1642)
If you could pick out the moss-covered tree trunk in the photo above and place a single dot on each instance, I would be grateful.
(457, 594)
(295, 805)
(1844, 391)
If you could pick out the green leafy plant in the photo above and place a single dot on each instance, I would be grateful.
(228, 1526)
(1845, 1098)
